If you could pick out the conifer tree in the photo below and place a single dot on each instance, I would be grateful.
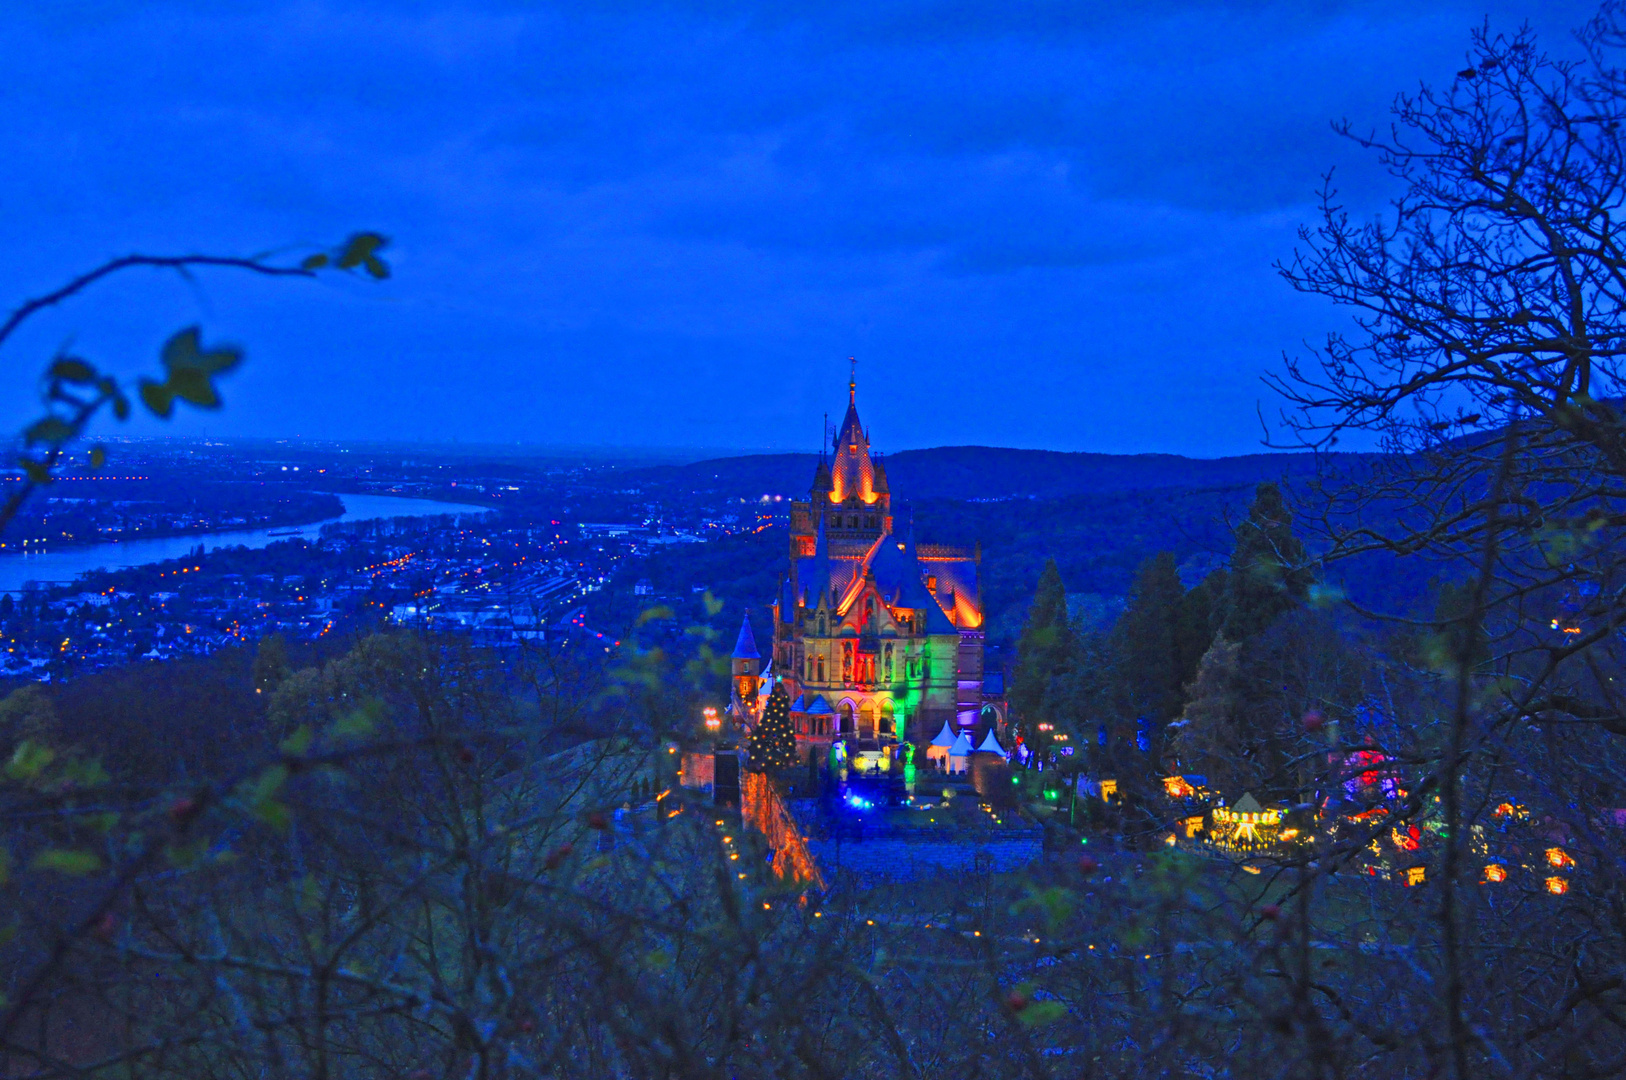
(773, 740)
(1147, 640)
(1268, 573)
(1044, 651)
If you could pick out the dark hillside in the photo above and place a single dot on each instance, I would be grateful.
(984, 472)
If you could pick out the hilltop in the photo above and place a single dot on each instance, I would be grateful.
(986, 473)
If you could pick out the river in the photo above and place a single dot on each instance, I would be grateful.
(66, 564)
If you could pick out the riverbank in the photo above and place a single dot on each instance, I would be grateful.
(65, 565)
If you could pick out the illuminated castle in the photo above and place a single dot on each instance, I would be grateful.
(876, 636)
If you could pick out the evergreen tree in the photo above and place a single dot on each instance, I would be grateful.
(1206, 740)
(773, 740)
(1044, 651)
(1146, 642)
(1268, 573)
(1202, 610)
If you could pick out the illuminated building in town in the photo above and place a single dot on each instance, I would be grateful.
(877, 636)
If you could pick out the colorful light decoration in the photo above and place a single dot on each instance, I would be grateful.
(1495, 873)
(1559, 859)
(1557, 886)
(1177, 788)
(1415, 875)
(714, 723)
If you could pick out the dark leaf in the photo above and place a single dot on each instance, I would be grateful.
(192, 385)
(121, 406)
(35, 471)
(158, 398)
(361, 248)
(52, 430)
(98, 456)
(314, 262)
(184, 352)
(69, 369)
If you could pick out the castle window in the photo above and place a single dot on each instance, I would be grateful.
(931, 582)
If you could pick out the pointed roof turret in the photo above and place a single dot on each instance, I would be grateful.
(853, 473)
(745, 646)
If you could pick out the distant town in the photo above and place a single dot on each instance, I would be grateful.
(505, 549)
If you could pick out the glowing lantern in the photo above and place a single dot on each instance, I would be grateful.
(1414, 875)
(714, 723)
(1557, 886)
(1495, 872)
(1559, 859)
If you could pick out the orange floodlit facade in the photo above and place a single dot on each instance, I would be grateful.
(877, 637)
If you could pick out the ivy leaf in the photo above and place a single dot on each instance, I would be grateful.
(192, 386)
(37, 471)
(121, 406)
(314, 262)
(67, 861)
(98, 456)
(158, 398)
(184, 351)
(73, 370)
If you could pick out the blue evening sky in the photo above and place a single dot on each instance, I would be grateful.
(669, 224)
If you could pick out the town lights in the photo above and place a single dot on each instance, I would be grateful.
(714, 723)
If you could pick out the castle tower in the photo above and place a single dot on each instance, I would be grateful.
(880, 638)
(745, 664)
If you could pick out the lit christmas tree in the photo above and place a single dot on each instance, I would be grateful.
(773, 740)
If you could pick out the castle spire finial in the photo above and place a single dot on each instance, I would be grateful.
(852, 381)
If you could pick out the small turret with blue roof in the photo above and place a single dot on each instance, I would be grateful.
(746, 663)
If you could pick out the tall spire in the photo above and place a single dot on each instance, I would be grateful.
(852, 471)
